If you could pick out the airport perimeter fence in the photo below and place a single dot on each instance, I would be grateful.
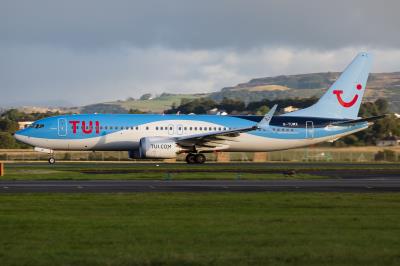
(355, 154)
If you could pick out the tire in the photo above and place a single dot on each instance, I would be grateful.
(200, 158)
(52, 160)
(191, 158)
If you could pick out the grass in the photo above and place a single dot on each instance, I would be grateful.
(85, 171)
(200, 229)
(181, 171)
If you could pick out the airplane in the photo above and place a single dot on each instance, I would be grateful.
(159, 136)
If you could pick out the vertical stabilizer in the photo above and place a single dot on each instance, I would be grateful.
(343, 98)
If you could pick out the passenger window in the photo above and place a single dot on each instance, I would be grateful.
(147, 128)
(156, 128)
(185, 128)
(137, 128)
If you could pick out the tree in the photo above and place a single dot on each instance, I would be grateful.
(231, 105)
(8, 125)
(135, 111)
(146, 96)
(262, 110)
(7, 141)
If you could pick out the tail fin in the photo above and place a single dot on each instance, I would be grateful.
(343, 99)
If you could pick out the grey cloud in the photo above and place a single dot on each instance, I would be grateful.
(207, 24)
(43, 73)
(85, 51)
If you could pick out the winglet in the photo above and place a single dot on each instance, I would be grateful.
(267, 118)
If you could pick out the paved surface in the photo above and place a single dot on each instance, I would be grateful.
(330, 185)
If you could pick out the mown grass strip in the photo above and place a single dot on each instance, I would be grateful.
(200, 229)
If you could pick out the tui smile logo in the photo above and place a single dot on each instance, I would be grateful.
(350, 103)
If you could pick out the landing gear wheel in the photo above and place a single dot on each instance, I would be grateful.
(191, 158)
(200, 158)
(52, 160)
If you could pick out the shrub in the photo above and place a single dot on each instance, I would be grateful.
(385, 155)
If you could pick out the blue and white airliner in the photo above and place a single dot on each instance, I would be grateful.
(158, 136)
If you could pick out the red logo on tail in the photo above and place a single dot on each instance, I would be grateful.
(339, 93)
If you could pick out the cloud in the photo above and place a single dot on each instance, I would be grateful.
(85, 51)
(207, 24)
(44, 73)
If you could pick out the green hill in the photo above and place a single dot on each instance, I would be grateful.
(155, 105)
(380, 85)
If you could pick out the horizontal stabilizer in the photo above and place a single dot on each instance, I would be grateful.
(349, 122)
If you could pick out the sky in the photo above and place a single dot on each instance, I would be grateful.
(79, 52)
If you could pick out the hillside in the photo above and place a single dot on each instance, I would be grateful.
(155, 105)
(380, 85)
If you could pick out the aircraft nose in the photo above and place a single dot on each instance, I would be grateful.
(17, 136)
(20, 137)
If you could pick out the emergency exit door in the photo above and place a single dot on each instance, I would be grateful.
(309, 129)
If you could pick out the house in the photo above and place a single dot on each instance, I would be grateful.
(388, 141)
(289, 109)
(24, 124)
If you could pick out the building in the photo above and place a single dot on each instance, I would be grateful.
(388, 141)
(289, 109)
(24, 124)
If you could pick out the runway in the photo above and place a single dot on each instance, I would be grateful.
(100, 186)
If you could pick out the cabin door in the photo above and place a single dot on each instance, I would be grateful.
(62, 127)
(309, 129)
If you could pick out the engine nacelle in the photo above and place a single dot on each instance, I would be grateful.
(156, 148)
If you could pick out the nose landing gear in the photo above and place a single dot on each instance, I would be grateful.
(197, 158)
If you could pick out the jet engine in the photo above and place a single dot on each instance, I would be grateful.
(155, 148)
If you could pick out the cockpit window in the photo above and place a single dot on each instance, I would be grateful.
(37, 125)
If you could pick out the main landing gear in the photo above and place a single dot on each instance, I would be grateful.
(193, 158)
(52, 160)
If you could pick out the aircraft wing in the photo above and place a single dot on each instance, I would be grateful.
(212, 140)
(355, 121)
(221, 139)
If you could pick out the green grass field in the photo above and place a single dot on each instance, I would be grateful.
(88, 171)
(200, 229)
(179, 171)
